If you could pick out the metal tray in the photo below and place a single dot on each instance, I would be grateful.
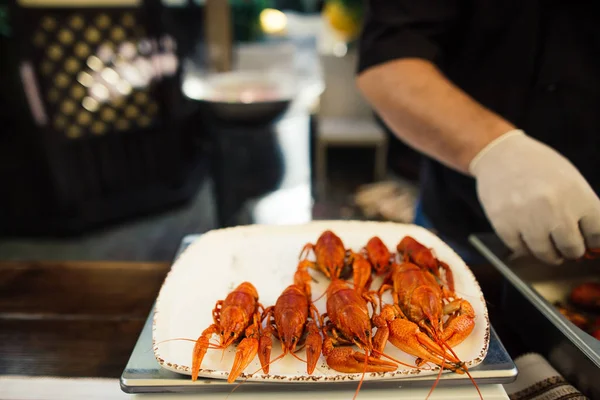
(530, 289)
(143, 374)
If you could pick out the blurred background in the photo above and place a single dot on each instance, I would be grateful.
(129, 124)
(126, 125)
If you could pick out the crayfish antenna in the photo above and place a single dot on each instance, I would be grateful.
(437, 380)
(258, 370)
(362, 378)
(462, 365)
(319, 298)
(297, 357)
(306, 250)
(210, 345)
(202, 344)
(395, 360)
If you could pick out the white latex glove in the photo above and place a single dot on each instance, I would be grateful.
(536, 199)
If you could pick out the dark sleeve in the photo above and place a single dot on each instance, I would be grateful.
(395, 29)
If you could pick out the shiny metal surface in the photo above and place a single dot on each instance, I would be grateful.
(246, 113)
(262, 173)
(242, 97)
(530, 289)
(144, 375)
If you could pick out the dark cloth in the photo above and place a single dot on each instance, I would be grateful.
(534, 62)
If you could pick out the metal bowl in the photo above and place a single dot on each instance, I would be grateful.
(242, 96)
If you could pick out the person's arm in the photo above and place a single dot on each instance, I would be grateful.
(429, 113)
(534, 197)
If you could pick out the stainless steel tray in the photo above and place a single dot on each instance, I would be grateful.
(143, 374)
(530, 290)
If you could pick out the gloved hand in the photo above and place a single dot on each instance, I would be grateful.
(536, 199)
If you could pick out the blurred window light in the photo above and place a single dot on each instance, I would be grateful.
(272, 21)
(100, 92)
(340, 49)
(110, 76)
(127, 50)
(105, 53)
(124, 88)
(95, 63)
(85, 79)
(90, 104)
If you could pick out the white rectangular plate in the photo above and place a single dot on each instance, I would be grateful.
(267, 257)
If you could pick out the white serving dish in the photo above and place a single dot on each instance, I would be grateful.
(267, 255)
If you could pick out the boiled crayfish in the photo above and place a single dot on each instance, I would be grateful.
(417, 253)
(425, 319)
(330, 254)
(288, 320)
(416, 318)
(236, 317)
(345, 323)
(414, 323)
(331, 258)
(378, 255)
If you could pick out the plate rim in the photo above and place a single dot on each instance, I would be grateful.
(342, 377)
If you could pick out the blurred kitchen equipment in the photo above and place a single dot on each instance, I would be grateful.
(257, 90)
(530, 289)
(112, 136)
(247, 114)
(260, 130)
(254, 97)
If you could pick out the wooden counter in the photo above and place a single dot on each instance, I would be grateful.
(77, 319)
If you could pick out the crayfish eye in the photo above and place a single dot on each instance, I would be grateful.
(294, 339)
(222, 333)
(232, 334)
(356, 339)
(367, 333)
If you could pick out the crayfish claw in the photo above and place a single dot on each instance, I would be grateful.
(314, 344)
(459, 326)
(200, 349)
(347, 360)
(265, 344)
(246, 351)
(381, 336)
(407, 336)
